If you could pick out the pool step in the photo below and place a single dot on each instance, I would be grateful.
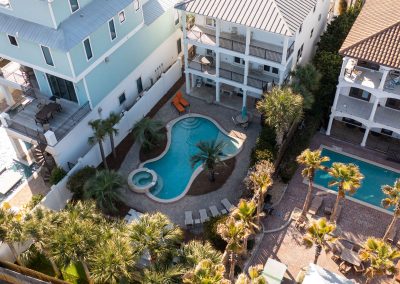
(191, 123)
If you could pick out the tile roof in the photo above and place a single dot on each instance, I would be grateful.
(70, 32)
(277, 16)
(153, 9)
(375, 35)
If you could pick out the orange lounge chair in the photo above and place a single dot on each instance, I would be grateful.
(182, 101)
(178, 106)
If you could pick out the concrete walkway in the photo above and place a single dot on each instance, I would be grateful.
(232, 189)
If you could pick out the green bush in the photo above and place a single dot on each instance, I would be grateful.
(265, 148)
(56, 175)
(35, 200)
(210, 232)
(77, 181)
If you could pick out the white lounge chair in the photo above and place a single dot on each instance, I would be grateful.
(189, 218)
(228, 206)
(214, 211)
(203, 215)
(315, 205)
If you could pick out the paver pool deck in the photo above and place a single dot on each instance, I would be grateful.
(356, 221)
(232, 189)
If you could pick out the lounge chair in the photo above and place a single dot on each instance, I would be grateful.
(392, 235)
(203, 216)
(181, 100)
(214, 211)
(228, 206)
(189, 218)
(315, 205)
(177, 105)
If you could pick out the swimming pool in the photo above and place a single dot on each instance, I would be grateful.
(174, 171)
(370, 192)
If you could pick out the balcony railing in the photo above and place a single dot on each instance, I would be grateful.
(231, 44)
(290, 51)
(231, 75)
(265, 53)
(34, 134)
(258, 83)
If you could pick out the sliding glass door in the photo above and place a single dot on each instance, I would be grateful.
(62, 88)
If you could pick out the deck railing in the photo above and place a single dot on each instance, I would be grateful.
(231, 75)
(34, 134)
(290, 51)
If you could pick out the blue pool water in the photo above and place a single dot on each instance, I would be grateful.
(174, 169)
(375, 176)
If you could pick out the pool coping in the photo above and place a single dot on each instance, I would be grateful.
(169, 126)
(340, 151)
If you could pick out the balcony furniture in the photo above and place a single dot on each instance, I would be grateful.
(182, 100)
(203, 216)
(46, 112)
(228, 206)
(214, 211)
(199, 82)
(178, 106)
(189, 218)
(344, 267)
(359, 269)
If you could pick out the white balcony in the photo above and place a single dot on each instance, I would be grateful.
(388, 116)
(363, 76)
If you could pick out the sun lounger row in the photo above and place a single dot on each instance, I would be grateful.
(228, 207)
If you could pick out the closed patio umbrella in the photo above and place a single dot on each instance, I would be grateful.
(244, 112)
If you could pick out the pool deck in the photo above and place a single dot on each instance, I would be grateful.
(356, 221)
(233, 187)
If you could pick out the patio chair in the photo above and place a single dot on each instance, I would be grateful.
(360, 268)
(344, 267)
(392, 235)
(181, 100)
(214, 211)
(189, 218)
(203, 216)
(315, 205)
(228, 206)
(178, 106)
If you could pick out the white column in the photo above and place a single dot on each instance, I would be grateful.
(345, 61)
(244, 102)
(7, 95)
(372, 115)
(186, 53)
(383, 80)
(217, 31)
(328, 131)
(333, 110)
(335, 102)
(16, 144)
(187, 77)
(217, 91)
(284, 52)
(364, 141)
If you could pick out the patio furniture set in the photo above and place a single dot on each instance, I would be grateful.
(180, 103)
(347, 257)
(189, 221)
(46, 112)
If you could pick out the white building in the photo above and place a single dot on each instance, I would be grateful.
(242, 47)
(368, 93)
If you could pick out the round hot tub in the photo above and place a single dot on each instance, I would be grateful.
(142, 180)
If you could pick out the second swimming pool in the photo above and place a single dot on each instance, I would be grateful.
(375, 176)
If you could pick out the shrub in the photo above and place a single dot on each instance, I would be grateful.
(77, 181)
(265, 148)
(210, 232)
(35, 200)
(56, 175)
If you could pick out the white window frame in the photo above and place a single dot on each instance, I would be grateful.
(214, 21)
(242, 61)
(119, 101)
(70, 6)
(44, 57)
(115, 29)
(84, 48)
(119, 18)
(136, 2)
(311, 33)
(8, 37)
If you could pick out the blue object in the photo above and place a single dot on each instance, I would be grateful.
(375, 176)
(174, 169)
(244, 112)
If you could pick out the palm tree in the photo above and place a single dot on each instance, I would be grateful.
(281, 108)
(233, 233)
(206, 272)
(306, 80)
(156, 233)
(347, 178)
(392, 199)
(312, 161)
(12, 231)
(99, 134)
(39, 226)
(104, 187)
(259, 179)
(108, 124)
(162, 274)
(195, 251)
(113, 259)
(380, 256)
(148, 132)
(209, 156)
(245, 212)
(318, 234)
(255, 276)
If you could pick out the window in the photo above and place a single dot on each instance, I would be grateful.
(238, 60)
(209, 52)
(179, 45)
(311, 34)
(113, 33)
(136, 5)
(314, 8)
(121, 17)
(13, 40)
(47, 55)
(74, 5)
(300, 28)
(359, 94)
(61, 88)
(210, 22)
(88, 49)
(139, 85)
(122, 98)
(319, 17)
(300, 53)
(275, 70)
(176, 18)
(386, 132)
(267, 68)
(393, 103)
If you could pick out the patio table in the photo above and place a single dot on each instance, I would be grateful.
(274, 271)
(350, 256)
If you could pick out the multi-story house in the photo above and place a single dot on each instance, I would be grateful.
(368, 93)
(242, 47)
(88, 57)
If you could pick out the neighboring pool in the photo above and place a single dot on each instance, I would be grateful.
(173, 167)
(375, 176)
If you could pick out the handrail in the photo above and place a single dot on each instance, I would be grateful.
(231, 75)
(35, 134)
(290, 50)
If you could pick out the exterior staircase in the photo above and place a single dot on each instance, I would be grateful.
(42, 158)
